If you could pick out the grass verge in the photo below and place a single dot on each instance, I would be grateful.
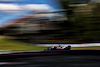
(8, 44)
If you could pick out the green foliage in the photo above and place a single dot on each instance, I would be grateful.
(84, 24)
(6, 43)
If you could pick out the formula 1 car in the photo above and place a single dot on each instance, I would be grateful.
(58, 48)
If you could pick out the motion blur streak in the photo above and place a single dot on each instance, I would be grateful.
(55, 61)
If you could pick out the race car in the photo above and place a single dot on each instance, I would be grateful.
(58, 48)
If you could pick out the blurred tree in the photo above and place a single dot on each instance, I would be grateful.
(84, 22)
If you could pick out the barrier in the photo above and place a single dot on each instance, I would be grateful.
(72, 45)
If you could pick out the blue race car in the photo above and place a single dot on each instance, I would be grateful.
(58, 48)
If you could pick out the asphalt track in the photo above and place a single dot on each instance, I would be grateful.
(11, 55)
(71, 58)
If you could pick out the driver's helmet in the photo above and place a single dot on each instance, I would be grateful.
(63, 46)
(59, 46)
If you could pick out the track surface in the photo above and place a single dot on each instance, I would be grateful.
(53, 61)
(48, 53)
(73, 58)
